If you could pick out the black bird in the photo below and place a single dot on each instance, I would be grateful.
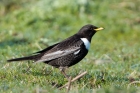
(67, 52)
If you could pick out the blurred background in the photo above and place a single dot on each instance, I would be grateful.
(27, 26)
(46, 22)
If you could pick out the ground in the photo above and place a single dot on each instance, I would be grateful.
(113, 62)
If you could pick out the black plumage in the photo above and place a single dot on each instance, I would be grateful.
(66, 53)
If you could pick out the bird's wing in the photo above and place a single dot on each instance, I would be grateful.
(67, 46)
(57, 54)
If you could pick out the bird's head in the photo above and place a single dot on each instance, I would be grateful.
(88, 31)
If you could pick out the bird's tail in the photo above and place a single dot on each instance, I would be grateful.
(33, 57)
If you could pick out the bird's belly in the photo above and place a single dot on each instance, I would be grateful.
(68, 60)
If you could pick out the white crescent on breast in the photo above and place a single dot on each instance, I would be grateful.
(86, 43)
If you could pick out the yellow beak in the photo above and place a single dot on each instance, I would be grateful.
(99, 28)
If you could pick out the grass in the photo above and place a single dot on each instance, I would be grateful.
(113, 62)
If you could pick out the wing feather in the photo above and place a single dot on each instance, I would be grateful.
(57, 54)
(68, 46)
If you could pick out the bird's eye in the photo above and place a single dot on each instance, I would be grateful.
(91, 28)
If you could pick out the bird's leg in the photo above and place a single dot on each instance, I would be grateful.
(62, 69)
